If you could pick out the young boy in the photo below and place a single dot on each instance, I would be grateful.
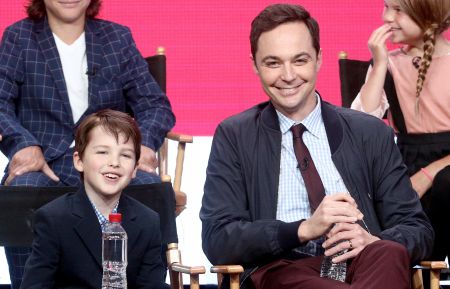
(58, 65)
(67, 247)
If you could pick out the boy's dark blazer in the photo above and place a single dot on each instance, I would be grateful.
(67, 246)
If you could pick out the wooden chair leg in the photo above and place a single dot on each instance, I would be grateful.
(417, 281)
(219, 280)
(234, 281)
(434, 279)
(195, 284)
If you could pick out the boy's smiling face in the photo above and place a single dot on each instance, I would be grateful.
(107, 164)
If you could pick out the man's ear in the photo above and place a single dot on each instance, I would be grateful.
(319, 60)
(78, 162)
(255, 68)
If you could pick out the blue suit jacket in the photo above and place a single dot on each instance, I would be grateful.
(67, 246)
(34, 103)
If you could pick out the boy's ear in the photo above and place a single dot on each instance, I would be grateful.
(78, 162)
(135, 171)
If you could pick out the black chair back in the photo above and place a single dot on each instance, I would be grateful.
(17, 207)
(157, 67)
(352, 75)
(18, 204)
(159, 197)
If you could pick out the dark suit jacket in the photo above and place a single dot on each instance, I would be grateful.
(67, 245)
(34, 103)
(239, 206)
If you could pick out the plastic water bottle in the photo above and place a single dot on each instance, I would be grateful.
(114, 256)
(335, 271)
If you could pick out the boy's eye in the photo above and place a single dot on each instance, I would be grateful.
(128, 156)
(100, 152)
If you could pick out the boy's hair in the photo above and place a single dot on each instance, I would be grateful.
(113, 122)
(433, 17)
(36, 9)
(274, 15)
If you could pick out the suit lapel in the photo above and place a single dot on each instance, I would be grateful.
(88, 228)
(129, 220)
(269, 150)
(47, 45)
(95, 59)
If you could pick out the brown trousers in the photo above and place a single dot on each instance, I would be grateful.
(381, 265)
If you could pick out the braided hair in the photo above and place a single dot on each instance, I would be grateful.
(433, 17)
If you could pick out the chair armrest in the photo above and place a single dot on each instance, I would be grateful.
(433, 265)
(191, 270)
(435, 268)
(177, 269)
(232, 270)
(227, 269)
(183, 138)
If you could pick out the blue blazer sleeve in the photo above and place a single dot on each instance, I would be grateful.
(149, 104)
(15, 136)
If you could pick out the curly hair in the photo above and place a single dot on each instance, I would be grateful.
(433, 17)
(36, 9)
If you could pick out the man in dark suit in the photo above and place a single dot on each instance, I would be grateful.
(302, 193)
(67, 244)
(57, 66)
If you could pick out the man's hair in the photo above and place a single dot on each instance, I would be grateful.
(274, 15)
(433, 17)
(36, 9)
(113, 122)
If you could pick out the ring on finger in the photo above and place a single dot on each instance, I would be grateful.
(350, 244)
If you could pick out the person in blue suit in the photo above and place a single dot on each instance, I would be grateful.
(67, 243)
(57, 66)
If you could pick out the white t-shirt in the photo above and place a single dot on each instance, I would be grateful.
(74, 66)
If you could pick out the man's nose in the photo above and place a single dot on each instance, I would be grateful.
(288, 73)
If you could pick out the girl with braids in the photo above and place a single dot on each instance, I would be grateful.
(418, 99)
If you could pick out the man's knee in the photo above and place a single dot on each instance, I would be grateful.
(16, 258)
(33, 179)
(390, 250)
(145, 178)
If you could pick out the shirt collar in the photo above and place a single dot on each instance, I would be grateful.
(102, 219)
(311, 122)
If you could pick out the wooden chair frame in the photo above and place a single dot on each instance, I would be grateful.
(157, 67)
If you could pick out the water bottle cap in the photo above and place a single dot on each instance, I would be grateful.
(115, 218)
